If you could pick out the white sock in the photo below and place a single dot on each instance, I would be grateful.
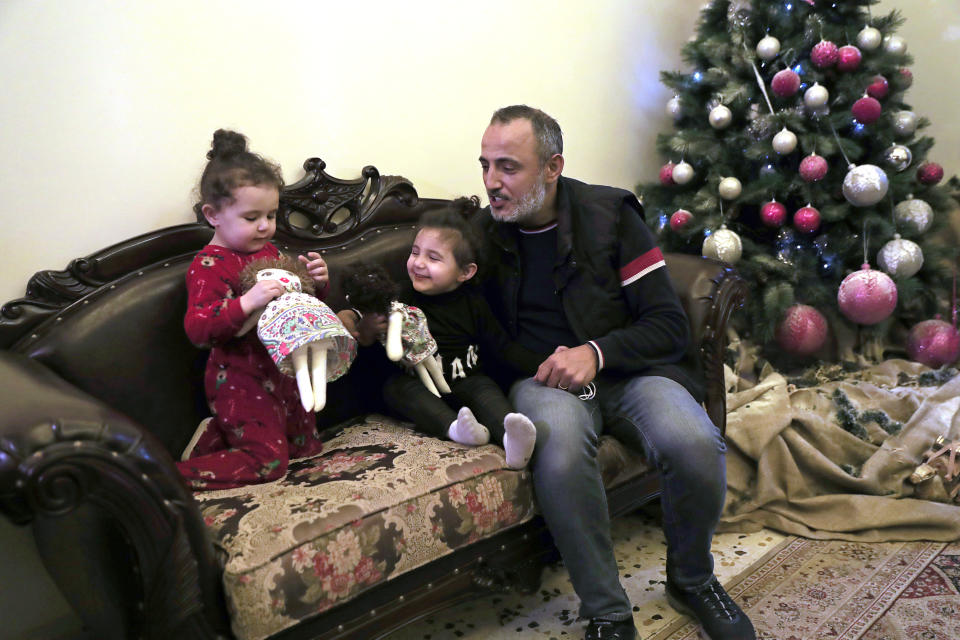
(466, 430)
(518, 439)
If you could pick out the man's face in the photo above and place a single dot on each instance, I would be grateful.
(512, 174)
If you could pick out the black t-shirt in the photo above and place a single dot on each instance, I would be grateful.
(542, 322)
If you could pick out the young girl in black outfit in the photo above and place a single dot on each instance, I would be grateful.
(442, 261)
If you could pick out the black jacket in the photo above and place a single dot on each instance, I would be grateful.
(612, 280)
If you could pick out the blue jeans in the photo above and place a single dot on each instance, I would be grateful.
(651, 414)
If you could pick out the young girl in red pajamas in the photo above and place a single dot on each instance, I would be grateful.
(258, 421)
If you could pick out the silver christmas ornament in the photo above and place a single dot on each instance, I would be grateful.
(865, 185)
(894, 44)
(869, 38)
(914, 215)
(720, 117)
(900, 258)
(724, 245)
(729, 188)
(904, 123)
(898, 157)
(682, 172)
(816, 96)
(785, 141)
(674, 109)
(768, 48)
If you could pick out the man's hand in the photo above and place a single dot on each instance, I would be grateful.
(367, 329)
(568, 368)
(317, 268)
(260, 294)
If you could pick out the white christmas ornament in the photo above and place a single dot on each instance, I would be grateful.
(914, 214)
(723, 244)
(898, 157)
(720, 117)
(674, 109)
(869, 38)
(865, 185)
(894, 44)
(729, 188)
(785, 141)
(900, 258)
(768, 48)
(905, 123)
(816, 96)
(682, 172)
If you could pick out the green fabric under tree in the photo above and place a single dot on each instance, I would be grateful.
(784, 265)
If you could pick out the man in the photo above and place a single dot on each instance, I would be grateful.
(574, 271)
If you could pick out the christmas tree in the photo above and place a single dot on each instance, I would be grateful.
(795, 155)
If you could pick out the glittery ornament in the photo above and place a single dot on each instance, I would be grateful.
(866, 110)
(869, 38)
(933, 343)
(824, 54)
(878, 88)
(816, 96)
(867, 296)
(773, 214)
(720, 117)
(813, 168)
(803, 330)
(930, 173)
(897, 157)
(900, 258)
(865, 185)
(914, 215)
(785, 83)
(674, 108)
(806, 219)
(848, 58)
(894, 44)
(904, 123)
(768, 48)
(666, 174)
(903, 79)
(785, 141)
(682, 172)
(739, 14)
(679, 219)
(729, 188)
(724, 245)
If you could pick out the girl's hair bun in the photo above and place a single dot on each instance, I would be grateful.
(226, 143)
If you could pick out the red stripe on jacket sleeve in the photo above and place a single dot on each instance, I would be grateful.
(641, 266)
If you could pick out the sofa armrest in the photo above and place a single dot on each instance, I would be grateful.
(114, 522)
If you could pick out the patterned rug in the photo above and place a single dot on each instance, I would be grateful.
(792, 588)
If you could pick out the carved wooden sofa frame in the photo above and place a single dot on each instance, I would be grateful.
(96, 409)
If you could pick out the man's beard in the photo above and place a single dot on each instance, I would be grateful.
(529, 203)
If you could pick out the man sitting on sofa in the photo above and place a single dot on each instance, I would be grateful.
(572, 269)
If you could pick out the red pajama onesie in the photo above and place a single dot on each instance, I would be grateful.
(258, 422)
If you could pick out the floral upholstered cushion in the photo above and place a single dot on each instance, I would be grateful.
(381, 500)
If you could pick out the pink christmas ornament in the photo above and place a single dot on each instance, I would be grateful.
(866, 110)
(848, 58)
(679, 219)
(666, 174)
(785, 83)
(773, 214)
(930, 173)
(806, 219)
(879, 88)
(933, 343)
(824, 54)
(802, 331)
(867, 296)
(813, 168)
(903, 79)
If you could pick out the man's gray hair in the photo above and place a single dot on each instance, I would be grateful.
(545, 129)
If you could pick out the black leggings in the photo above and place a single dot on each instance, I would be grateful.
(407, 396)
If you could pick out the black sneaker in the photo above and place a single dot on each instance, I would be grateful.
(711, 606)
(599, 629)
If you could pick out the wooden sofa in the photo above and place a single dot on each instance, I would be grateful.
(101, 391)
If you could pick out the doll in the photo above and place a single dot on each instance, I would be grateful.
(301, 333)
(369, 289)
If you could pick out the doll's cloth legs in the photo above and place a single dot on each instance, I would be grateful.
(660, 418)
(408, 397)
